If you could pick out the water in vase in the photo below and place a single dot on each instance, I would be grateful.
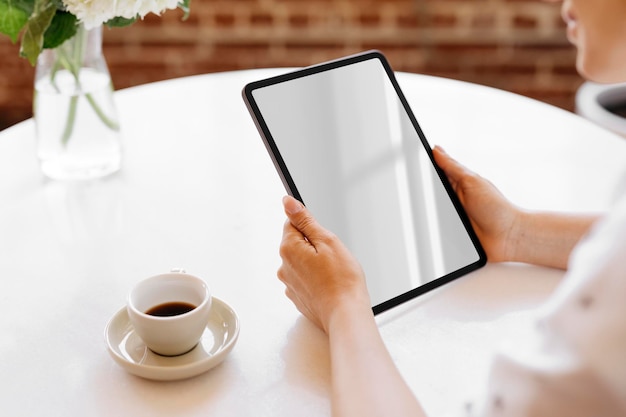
(77, 126)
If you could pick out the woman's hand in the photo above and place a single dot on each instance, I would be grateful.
(495, 220)
(319, 271)
(508, 233)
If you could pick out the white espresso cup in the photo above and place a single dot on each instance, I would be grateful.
(170, 312)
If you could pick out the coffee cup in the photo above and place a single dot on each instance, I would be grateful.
(170, 312)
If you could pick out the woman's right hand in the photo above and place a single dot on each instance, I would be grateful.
(495, 220)
(319, 272)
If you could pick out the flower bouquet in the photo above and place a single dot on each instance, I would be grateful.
(74, 112)
(49, 23)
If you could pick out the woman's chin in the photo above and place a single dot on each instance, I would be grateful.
(599, 73)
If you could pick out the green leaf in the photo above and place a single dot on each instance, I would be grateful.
(62, 27)
(184, 6)
(25, 5)
(118, 22)
(12, 19)
(38, 22)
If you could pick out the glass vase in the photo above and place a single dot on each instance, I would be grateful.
(78, 133)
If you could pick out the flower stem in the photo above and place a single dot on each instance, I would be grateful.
(63, 61)
(69, 122)
(110, 123)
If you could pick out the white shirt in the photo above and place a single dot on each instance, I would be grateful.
(574, 361)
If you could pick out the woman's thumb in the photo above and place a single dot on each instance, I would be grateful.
(300, 217)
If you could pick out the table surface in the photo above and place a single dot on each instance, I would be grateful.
(198, 191)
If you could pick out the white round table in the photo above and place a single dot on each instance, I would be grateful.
(197, 190)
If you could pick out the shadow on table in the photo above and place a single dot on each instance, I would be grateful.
(307, 358)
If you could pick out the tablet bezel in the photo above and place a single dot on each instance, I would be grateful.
(292, 189)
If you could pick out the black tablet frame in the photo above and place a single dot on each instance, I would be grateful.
(292, 189)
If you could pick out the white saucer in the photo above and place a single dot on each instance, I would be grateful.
(129, 351)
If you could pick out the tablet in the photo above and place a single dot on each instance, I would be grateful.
(345, 142)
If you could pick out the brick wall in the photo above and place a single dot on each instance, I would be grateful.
(516, 45)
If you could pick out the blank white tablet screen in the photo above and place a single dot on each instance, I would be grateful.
(362, 170)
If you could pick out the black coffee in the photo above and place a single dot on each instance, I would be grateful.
(173, 308)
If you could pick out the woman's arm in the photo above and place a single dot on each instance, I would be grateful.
(327, 285)
(507, 232)
(365, 380)
(547, 239)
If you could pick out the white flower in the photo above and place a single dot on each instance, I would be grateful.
(93, 13)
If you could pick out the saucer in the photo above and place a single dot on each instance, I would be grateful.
(129, 351)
